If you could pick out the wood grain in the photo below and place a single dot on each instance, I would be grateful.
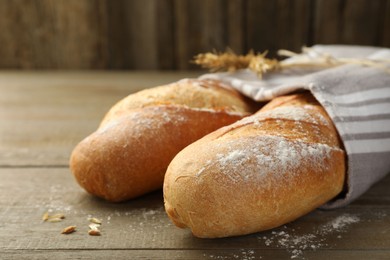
(141, 227)
(282, 24)
(236, 29)
(52, 34)
(328, 20)
(166, 34)
(137, 31)
(193, 254)
(363, 22)
(386, 35)
(200, 25)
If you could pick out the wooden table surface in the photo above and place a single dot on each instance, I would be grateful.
(43, 115)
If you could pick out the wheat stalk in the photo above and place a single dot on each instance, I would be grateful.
(260, 64)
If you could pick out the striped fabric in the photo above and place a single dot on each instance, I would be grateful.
(357, 98)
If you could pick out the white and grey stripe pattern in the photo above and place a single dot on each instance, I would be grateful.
(357, 98)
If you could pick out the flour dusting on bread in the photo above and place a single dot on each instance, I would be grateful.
(264, 155)
(307, 114)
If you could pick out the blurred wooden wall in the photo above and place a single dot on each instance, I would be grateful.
(166, 34)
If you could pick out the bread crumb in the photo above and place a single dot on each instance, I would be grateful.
(94, 232)
(68, 230)
(95, 220)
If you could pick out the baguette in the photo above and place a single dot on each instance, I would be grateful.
(258, 173)
(128, 154)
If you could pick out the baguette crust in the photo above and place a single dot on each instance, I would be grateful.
(258, 173)
(194, 94)
(128, 154)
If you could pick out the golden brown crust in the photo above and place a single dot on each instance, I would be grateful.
(129, 153)
(191, 93)
(258, 173)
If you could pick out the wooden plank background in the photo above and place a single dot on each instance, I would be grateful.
(166, 34)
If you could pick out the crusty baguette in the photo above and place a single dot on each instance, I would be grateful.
(128, 154)
(258, 173)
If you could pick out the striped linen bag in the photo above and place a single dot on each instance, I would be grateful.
(356, 97)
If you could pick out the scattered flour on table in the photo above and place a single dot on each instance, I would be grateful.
(295, 244)
(54, 202)
(338, 224)
(243, 254)
(292, 241)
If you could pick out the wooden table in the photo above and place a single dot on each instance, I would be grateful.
(42, 117)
